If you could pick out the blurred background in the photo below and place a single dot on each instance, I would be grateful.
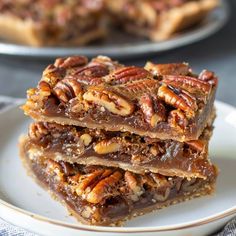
(216, 53)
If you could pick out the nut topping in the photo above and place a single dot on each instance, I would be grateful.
(153, 110)
(72, 61)
(37, 130)
(163, 196)
(86, 139)
(92, 70)
(67, 89)
(198, 145)
(107, 146)
(177, 118)
(137, 88)
(133, 185)
(189, 83)
(128, 74)
(101, 190)
(168, 69)
(87, 181)
(44, 88)
(173, 99)
(110, 100)
(209, 77)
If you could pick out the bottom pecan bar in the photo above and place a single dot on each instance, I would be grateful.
(108, 196)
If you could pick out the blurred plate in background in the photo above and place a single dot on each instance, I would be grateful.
(121, 45)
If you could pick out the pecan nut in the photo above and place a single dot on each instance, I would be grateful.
(37, 131)
(44, 89)
(92, 70)
(53, 74)
(198, 145)
(139, 87)
(153, 110)
(172, 98)
(191, 84)
(177, 119)
(168, 69)
(133, 185)
(128, 74)
(112, 101)
(86, 139)
(209, 77)
(87, 180)
(101, 190)
(72, 61)
(107, 146)
(162, 195)
(67, 89)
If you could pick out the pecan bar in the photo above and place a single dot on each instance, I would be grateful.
(164, 101)
(109, 196)
(159, 19)
(128, 151)
(47, 22)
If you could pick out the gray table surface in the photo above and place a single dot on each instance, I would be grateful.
(217, 53)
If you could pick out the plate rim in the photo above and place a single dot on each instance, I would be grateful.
(103, 229)
(123, 51)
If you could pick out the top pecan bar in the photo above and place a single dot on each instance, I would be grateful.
(165, 101)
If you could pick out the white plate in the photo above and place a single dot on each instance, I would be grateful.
(25, 204)
(121, 45)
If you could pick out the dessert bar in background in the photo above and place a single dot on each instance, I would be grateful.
(49, 23)
(79, 22)
(158, 19)
(112, 141)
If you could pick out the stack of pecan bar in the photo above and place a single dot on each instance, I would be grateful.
(112, 142)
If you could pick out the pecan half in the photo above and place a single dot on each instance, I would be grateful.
(177, 118)
(72, 61)
(53, 167)
(53, 74)
(101, 190)
(133, 185)
(197, 145)
(77, 105)
(172, 98)
(88, 180)
(137, 88)
(193, 85)
(37, 131)
(107, 146)
(128, 74)
(86, 139)
(209, 77)
(44, 89)
(111, 65)
(162, 195)
(89, 80)
(92, 70)
(112, 101)
(67, 89)
(168, 69)
(153, 110)
(189, 99)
